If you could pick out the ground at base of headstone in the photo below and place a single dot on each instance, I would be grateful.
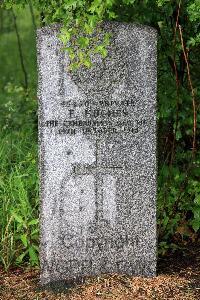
(178, 278)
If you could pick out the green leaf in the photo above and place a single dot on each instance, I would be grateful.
(36, 247)
(162, 2)
(109, 3)
(196, 212)
(81, 56)
(92, 21)
(33, 255)
(197, 199)
(195, 225)
(21, 257)
(72, 55)
(33, 222)
(95, 6)
(101, 50)
(19, 219)
(34, 233)
(87, 62)
(70, 51)
(106, 39)
(24, 240)
(88, 28)
(83, 42)
(112, 15)
(128, 2)
(165, 221)
(65, 35)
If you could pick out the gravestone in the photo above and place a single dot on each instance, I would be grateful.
(97, 133)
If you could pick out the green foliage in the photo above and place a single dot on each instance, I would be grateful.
(178, 164)
(178, 205)
(80, 18)
(194, 10)
(18, 179)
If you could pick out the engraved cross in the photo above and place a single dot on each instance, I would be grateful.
(98, 171)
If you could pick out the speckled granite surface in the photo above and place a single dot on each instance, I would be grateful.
(97, 132)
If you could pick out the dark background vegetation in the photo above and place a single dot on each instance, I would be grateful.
(177, 23)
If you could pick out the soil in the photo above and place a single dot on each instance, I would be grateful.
(178, 278)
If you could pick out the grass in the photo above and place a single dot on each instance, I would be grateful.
(18, 145)
(19, 195)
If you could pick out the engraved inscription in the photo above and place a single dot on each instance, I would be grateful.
(99, 118)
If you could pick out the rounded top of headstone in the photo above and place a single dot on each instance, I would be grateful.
(107, 25)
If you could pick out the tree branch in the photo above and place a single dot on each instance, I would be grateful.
(185, 52)
(20, 51)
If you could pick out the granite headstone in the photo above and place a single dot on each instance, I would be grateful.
(97, 133)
